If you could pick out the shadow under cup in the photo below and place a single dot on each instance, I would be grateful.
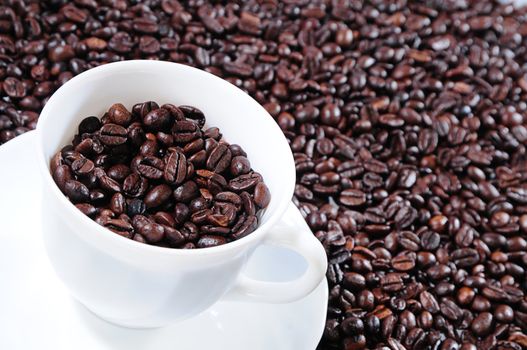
(112, 275)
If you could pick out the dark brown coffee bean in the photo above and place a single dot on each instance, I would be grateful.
(247, 226)
(151, 167)
(118, 172)
(113, 135)
(108, 184)
(134, 185)
(76, 191)
(465, 257)
(404, 262)
(244, 182)
(61, 53)
(118, 114)
(429, 302)
(118, 204)
(186, 192)
(87, 209)
(157, 119)
(219, 159)
(185, 131)
(262, 196)
(157, 196)
(14, 88)
(352, 198)
(152, 232)
(61, 175)
(482, 324)
(176, 168)
(239, 165)
(207, 241)
(89, 125)
(82, 166)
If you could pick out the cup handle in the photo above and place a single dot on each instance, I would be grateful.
(293, 233)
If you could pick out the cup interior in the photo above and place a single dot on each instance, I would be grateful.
(240, 118)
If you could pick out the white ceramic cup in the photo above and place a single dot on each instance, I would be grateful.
(139, 285)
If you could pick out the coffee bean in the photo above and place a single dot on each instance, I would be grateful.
(482, 324)
(76, 191)
(175, 171)
(450, 310)
(465, 295)
(87, 209)
(151, 167)
(113, 135)
(244, 182)
(206, 241)
(219, 159)
(245, 227)
(14, 88)
(429, 302)
(465, 257)
(185, 131)
(134, 185)
(262, 196)
(404, 261)
(352, 198)
(118, 114)
(61, 175)
(504, 313)
(186, 192)
(157, 196)
(61, 53)
(118, 204)
(239, 165)
(152, 232)
(157, 119)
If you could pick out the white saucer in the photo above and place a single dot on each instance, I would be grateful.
(36, 311)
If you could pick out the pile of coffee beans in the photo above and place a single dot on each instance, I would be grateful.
(156, 176)
(407, 120)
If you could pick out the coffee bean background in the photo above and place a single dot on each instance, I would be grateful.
(407, 120)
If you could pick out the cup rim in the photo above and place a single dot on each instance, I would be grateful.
(283, 201)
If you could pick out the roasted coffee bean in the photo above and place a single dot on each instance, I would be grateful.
(118, 114)
(152, 232)
(175, 171)
(404, 261)
(482, 324)
(89, 125)
(61, 175)
(185, 131)
(134, 185)
(239, 165)
(186, 192)
(352, 198)
(262, 196)
(244, 182)
(113, 135)
(157, 119)
(207, 241)
(157, 196)
(247, 226)
(219, 159)
(76, 191)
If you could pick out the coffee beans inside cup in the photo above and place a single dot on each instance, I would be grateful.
(156, 175)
